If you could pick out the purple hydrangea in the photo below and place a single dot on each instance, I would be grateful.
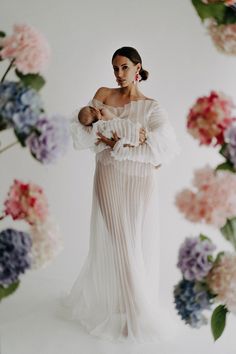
(15, 247)
(191, 299)
(230, 139)
(49, 139)
(20, 107)
(195, 257)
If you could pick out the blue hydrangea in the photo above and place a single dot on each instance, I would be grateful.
(15, 247)
(50, 139)
(191, 299)
(195, 257)
(20, 107)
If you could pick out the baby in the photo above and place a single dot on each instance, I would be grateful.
(89, 115)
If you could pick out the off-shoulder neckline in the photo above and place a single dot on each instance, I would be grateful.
(126, 104)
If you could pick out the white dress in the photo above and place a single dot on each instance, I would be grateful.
(115, 294)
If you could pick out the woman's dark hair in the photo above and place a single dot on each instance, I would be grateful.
(133, 55)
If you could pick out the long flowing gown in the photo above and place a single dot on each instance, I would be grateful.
(115, 294)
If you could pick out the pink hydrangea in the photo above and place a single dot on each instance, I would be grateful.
(223, 36)
(222, 280)
(46, 243)
(226, 2)
(28, 47)
(26, 201)
(212, 201)
(209, 117)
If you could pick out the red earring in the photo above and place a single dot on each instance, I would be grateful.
(137, 77)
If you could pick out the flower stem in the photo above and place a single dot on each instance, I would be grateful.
(3, 216)
(9, 67)
(9, 146)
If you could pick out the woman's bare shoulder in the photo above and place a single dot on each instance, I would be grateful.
(102, 93)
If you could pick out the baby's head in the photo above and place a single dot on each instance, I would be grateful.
(89, 115)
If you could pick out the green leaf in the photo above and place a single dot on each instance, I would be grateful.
(230, 16)
(205, 11)
(35, 81)
(210, 258)
(218, 257)
(3, 124)
(218, 321)
(229, 231)
(4, 292)
(226, 166)
(204, 237)
(224, 149)
(20, 137)
(2, 34)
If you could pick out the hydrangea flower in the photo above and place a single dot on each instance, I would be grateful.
(20, 107)
(191, 299)
(47, 243)
(26, 201)
(15, 257)
(212, 201)
(223, 36)
(50, 139)
(29, 49)
(209, 117)
(222, 280)
(193, 259)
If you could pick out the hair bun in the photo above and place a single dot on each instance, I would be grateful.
(144, 74)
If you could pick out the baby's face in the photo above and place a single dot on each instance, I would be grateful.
(94, 112)
(89, 115)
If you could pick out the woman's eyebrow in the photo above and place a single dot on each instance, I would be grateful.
(114, 66)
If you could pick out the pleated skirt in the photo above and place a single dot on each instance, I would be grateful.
(115, 295)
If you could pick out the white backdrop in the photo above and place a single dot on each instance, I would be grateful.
(183, 64)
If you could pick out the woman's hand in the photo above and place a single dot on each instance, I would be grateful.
(142, 136)
(111, 142)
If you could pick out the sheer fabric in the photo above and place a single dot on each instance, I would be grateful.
(116, 293)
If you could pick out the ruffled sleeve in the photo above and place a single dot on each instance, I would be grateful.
(160, 146)
(82, 136)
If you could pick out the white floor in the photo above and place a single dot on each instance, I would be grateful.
(29, 324)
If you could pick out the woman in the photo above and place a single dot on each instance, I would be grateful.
(115, 296)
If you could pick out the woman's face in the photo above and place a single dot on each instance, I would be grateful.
(125, 70)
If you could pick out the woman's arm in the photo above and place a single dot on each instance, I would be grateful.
(82, 136)
(160, 146)
(112, 142)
